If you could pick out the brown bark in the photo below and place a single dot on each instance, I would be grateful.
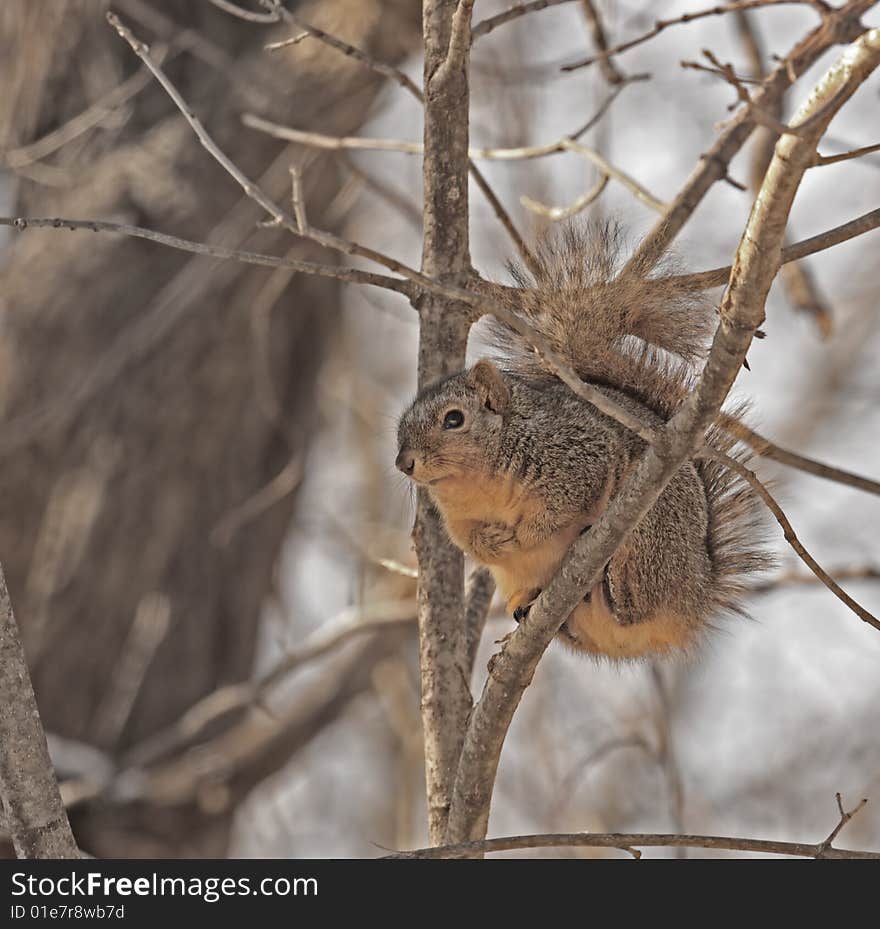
(443, 332)
(34, 813)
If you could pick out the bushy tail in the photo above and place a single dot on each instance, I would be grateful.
(640, 333)
(738, 523)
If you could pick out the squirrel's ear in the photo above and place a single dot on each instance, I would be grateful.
(490, 386)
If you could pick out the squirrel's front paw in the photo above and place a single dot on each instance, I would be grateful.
(521, 602)
(489, 540)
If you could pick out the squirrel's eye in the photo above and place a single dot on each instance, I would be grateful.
(454, 419)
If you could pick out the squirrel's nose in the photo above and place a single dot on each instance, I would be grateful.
(406, 461)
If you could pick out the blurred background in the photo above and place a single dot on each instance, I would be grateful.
(197, 493)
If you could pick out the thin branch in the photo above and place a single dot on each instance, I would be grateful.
(597, 29)
(767, 449)
(726, 72)
(796, 579)
(517, 10)
(282, 485)
(147, 632)
(346, 48)
(81, 123)
(329, 142)
(662, 24)
(459, 35)
(251, 17)
(626, 842)
(565, 144)
(34, 812)
(717, 277)
(249, 187)
(838, 25)
(790, 536)
(845, 156)
(298, 199)
(351, 275)
(845, 817)
(555, 213)
(328, 638)
(478, 599)
(411, 87)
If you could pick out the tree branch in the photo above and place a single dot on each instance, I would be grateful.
(519, 9)
(35, 815)
(357, 143)
(478, 599)
(409, 85)
(838, 25)
(626, 842)
(717, 277)
(767, 449)
(751, 478)
(661, 25)
(350, 275)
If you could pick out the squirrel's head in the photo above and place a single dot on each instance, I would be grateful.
(451, 428)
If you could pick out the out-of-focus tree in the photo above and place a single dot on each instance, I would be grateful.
(157, 407)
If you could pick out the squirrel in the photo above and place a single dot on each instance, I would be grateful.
(518, 465)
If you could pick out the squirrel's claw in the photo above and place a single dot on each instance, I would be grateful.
(520, 603)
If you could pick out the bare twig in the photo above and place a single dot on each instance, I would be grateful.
(796, 579)
(838, 25)
(517, 10)
(351, 275)
(252, 17)
(845, 156)
(845, 817)
(628, 841)
(345, 48)
(566, 144)
(332, 635)
(767, 449)
(81, 123)
(478, 599)
(555, 213)
(855, 227)
(282, 485)
(147, 632)
(790, 536)
(662, 24)
(35, 815)
(597, 29)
